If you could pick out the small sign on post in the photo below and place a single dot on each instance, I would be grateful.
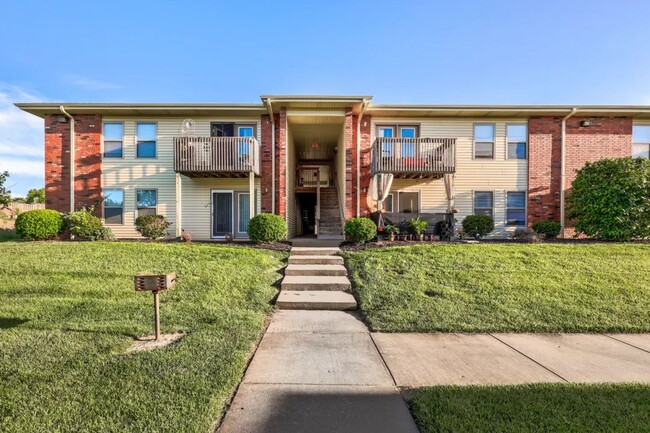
(155, 283)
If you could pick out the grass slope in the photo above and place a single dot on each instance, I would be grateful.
(566, 408)
(68, 311)
(497, 287)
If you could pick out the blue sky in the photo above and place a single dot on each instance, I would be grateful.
(493, 52)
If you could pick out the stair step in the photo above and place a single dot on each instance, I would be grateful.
(314, 251)
(311, 270)
(330, 236)
(315, 260)
(315, 300)
(313, 282)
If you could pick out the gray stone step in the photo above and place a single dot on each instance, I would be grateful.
(314, 251)
(316, 300)
(315, 260)
(311, 270)
(332, 236)
(314, 282)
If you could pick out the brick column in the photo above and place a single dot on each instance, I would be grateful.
(365, 164)
(266, 156)
(281, 163)
(350, 164)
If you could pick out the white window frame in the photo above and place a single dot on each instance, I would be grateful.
(137, 139)
(525, 208)
(232, 209)
(474, 202)
(239, 147)
(103, 150)
(387, 152)
(475, 142)
(239, 194)
(640, 143)
(516, 142)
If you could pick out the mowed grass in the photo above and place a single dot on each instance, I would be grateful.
(504, 287)
(566, 408)
(68, 312)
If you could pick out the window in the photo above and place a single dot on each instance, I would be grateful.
(517, 139)
(516, 208)
(113, 138)
(408, 202)
(146, 134)
(244, 145)
(244, 212)
(641, 141)
(387, 146)
(146, 201)
(220, 129)
(408, 146)
(484, 203)
(484, 140)
(113, 206)
(388, 203)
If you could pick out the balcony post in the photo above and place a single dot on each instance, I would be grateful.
(179, 207)
(251, 191)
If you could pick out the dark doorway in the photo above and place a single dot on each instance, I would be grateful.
(306, 213)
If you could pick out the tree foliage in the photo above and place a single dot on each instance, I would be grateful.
(610, 199)
(5, 194)
(35, 195)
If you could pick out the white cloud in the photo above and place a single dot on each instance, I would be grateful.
(16, 166)
(90, 84)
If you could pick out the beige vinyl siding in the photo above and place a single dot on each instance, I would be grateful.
(499, 175)
(130, 173)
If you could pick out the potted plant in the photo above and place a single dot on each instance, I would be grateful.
(392, 230)
(416, 227)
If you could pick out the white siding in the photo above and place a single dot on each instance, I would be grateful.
(498, 175)
(130, 173)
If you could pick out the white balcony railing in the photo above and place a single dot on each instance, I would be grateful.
(417, 156)
(216, 156)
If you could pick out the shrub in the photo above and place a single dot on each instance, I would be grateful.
(39, 224)
(416, 226)
(526, 235)
(550, 229)
(478, 225)
(85, 226)
(360, 229)
(267, 227)
(152, 226)
(610, 199)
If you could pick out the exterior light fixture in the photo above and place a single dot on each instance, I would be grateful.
(585, 123)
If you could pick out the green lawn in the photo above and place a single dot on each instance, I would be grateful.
(68, 311)
(553, 408)
(504, 287)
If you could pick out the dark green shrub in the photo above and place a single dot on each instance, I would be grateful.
(39, 224)
(84, 226)
(550, 229)
(478, 226)
(266, 227)
(416, 226)
(610, 199)
(152, 226)
(360, 229)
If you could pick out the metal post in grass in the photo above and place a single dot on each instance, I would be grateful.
(155, 284)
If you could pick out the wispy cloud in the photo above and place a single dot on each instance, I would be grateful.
(90, 84)
(21, 138)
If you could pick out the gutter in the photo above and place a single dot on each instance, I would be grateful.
(269, 107)
(574, 110)
(72, 155)
(364, 105)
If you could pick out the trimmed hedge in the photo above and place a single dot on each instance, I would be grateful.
(478, 225)
(85, 226)
(152, 226)
(39, 224)
(550, 229)
(266, 227)
(360, 229)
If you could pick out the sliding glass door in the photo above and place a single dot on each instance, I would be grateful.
(222, 213)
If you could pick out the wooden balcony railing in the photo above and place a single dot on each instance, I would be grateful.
(216, 156)
(414, 157)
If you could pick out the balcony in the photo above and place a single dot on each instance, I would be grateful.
(411, 158)
(216, 156)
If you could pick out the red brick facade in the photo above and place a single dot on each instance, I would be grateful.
(280, 163)
(606, 137)
(349, 139)
(88, 162)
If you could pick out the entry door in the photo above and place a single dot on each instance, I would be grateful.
(222, 213)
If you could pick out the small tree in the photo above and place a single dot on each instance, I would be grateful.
(35, 196)
(5, 194)
(610, 199)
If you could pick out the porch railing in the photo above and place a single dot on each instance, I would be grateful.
(413, 155)
(214, 155)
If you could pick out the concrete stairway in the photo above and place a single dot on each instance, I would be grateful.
(315, 280)
(330, 226)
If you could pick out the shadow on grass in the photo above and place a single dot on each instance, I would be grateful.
(10, 322)
(8, 235)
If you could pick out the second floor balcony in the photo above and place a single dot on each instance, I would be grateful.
(216, 156)
(414, 157)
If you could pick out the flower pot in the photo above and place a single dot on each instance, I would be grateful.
(391, 237)
(421, 237)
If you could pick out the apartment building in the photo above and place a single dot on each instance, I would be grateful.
(319, 160)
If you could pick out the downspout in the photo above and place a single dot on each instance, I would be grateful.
(364, 105)
(563, 168)
(269, 107)
(72, 157)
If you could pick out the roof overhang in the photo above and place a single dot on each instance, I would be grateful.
(321, 102)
